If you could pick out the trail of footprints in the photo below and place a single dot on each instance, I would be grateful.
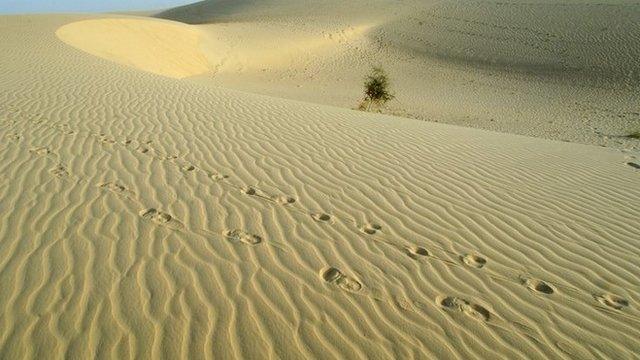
(149, 214)
(331, 275)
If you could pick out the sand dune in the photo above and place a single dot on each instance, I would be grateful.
(160, 47)
(531, 68)
(144, 216)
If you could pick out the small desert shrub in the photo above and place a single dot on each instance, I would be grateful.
(376, 89)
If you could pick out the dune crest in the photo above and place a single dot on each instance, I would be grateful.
(160, 47)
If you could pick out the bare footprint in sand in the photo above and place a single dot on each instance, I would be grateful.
(452, 303)
(335, 276)
(40, 151)
(473, 260)
(242, 237)
(370, 228)
(613, 301)
(321, 217)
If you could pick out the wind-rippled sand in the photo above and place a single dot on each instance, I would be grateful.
(143, 216)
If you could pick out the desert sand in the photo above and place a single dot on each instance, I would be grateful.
(193, 184)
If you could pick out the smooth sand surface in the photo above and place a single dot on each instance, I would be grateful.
(143, 216)
(160, 47)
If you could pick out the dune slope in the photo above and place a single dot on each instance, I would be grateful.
(144, 216)
(160, 47)
(557, 70)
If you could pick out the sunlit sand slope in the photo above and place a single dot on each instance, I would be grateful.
(160, 47)
(146, 217)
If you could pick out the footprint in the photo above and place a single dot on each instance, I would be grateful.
(452, 303)
(143, 149)
(113, 187)
(66, 131)
(59, 172)
(106, 140)
(473, 260)
(14, 137)
(243, 237)
(218, 177)
(634, 165)
(370, 229)
(321, 217)
(187, 168)
(538, 286)
(248, 191)
(335, 276)
(40, 151)
(613, 301)
(284, 200)
(416, 252)
(155, 216)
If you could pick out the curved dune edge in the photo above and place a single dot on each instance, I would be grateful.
(159, 47)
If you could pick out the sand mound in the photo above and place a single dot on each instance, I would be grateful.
(160, 47)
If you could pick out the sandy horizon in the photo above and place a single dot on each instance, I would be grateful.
(196, 184)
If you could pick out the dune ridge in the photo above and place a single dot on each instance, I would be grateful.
(148, 217)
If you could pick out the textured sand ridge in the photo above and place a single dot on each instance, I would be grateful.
(160, 47)
(142, 216)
